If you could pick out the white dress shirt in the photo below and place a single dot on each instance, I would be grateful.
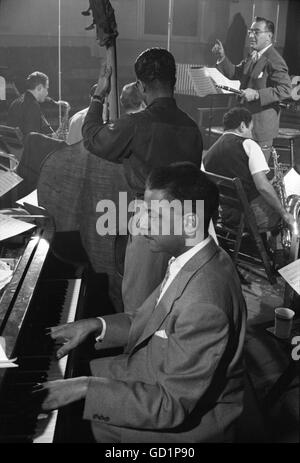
(175, 267)
(180, 261)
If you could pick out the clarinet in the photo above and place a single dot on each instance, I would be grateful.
(230, 89)
(282, 104)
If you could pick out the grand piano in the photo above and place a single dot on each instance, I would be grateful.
(37, 297)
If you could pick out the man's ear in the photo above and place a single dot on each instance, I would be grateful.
(242, 126)
(190, 223)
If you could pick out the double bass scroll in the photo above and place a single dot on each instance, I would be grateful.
(106, 30)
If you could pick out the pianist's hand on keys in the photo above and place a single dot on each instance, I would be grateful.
(62, 392)
(73, 334)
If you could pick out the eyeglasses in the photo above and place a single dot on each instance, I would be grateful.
(255, 32)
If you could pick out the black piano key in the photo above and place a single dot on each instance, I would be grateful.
(34, 362)
(36, 352)
(16, 439)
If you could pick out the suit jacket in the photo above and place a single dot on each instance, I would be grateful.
(269, 75)
(25, 113)
(180, 377)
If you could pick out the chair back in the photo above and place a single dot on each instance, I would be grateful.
(231, 192)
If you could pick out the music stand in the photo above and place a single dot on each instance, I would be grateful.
(204, 86)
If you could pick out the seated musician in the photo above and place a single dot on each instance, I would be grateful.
(76, 121)
(157, 136)
(236, 154)
(25, 111)
(180, 376)
(130, 99)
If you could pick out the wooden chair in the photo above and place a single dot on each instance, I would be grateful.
(11, 140)
(232, 194)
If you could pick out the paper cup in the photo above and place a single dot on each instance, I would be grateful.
(283, 322)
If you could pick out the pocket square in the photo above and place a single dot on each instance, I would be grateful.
(161, 334)
(260, 75)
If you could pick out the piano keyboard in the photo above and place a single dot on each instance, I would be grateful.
(37, 363)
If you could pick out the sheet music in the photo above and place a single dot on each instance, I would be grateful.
(202, 82)
(8, 180)
(291, 274)
(220, 79)
(184, 84)
(30, 203)
(292, 182)
(31, 198)
(11, 227)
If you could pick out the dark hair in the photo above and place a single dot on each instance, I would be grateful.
(35, 79)
(130, 98)
(185, 181)
(269, 24)
(233, 118)
(156, 66)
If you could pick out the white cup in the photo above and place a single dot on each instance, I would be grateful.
(283, 322)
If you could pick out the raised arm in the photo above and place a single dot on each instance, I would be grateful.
(109, 141)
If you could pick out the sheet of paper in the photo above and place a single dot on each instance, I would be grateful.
(11, 227)
(202, 82)
(8, 180)
(31, 198)
(219, 79)
(291, 274)
(30, 203)
(292, 182)
(184, 84)
(4, 361)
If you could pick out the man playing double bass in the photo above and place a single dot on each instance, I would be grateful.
(157, 136)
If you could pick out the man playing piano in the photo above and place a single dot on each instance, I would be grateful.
(180, 378)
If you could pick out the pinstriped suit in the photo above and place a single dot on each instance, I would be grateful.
(269, 75)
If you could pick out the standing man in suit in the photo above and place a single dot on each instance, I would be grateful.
(264, 80)
(180, 376)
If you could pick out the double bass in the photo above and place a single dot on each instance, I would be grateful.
(72, 180)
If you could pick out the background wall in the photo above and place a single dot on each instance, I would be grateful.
(29, 36)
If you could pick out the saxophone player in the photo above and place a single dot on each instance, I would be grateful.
(236, 154)
(25, 111)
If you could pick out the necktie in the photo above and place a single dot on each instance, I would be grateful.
(254, 56)
(166, 277)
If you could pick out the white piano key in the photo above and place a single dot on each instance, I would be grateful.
(46, 423)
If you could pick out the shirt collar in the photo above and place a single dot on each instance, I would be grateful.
(163, 101)
(259, 53)
(232, 133)
(180, 261)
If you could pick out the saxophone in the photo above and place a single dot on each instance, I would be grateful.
(290, 203)
(63, 129)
